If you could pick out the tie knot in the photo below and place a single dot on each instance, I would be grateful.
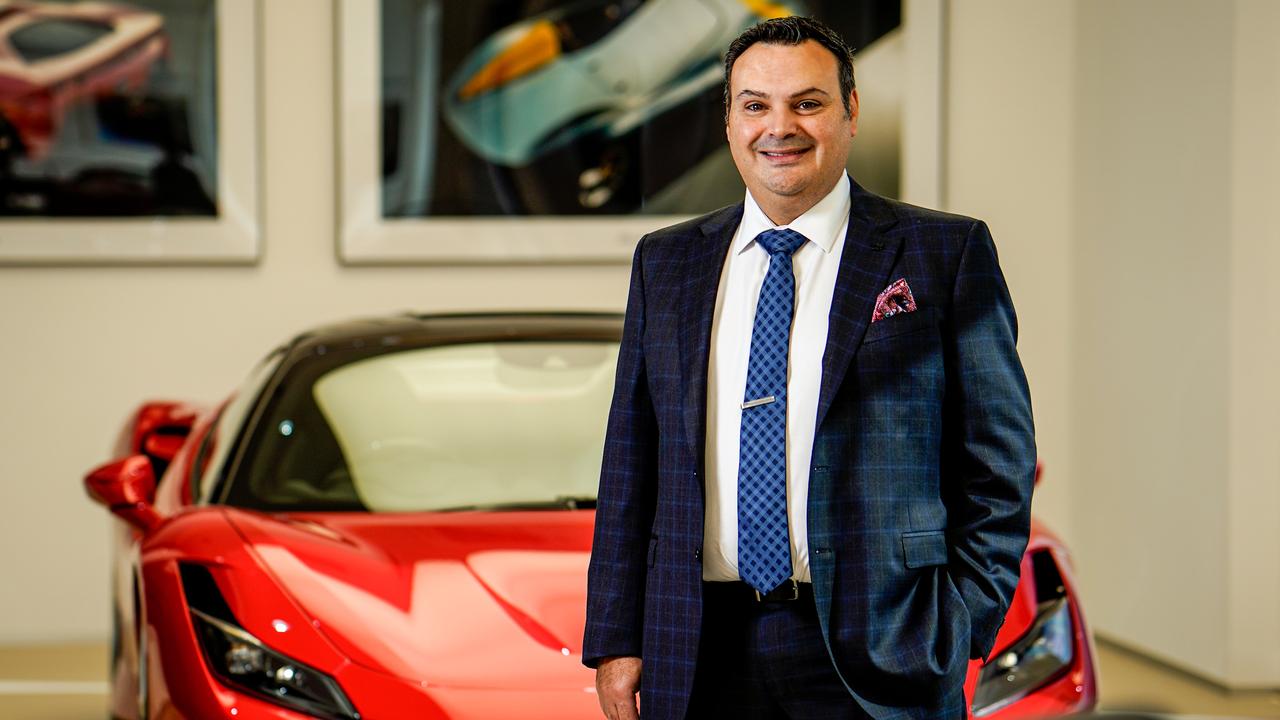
(780, 241)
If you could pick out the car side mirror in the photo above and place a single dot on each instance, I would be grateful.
(163, 448)
(128, 489)
(158, 430)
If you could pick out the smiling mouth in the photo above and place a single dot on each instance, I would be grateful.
(785, 154)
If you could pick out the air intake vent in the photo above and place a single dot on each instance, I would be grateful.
(1049, 585)
(202, 592)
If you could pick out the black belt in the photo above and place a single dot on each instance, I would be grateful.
(789, 591)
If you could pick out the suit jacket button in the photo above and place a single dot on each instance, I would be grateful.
(697, 554)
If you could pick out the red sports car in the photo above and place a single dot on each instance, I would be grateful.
(392, 518)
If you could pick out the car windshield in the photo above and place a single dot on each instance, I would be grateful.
(586, 23)
(495, 425)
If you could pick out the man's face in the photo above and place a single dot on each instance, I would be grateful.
(787, 127)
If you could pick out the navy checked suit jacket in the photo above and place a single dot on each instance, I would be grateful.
(922, 469)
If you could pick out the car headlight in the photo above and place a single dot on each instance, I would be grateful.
(242, 661)
(1036, 658)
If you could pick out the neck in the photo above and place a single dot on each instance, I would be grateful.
(784, 211)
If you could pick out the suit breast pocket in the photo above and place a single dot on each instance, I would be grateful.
(900, 324)
(900, 359)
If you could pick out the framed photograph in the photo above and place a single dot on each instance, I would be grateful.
(128, 131)
(563, 130)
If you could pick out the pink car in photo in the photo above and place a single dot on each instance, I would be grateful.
(55, 55)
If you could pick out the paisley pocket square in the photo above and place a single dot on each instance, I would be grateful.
(895, 299)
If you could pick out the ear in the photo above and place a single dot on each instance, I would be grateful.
(853, 112)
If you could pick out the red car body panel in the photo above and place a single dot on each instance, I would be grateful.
(517, 578)
(1073, 691)
(459, 615)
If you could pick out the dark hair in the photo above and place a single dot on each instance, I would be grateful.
(793, 30)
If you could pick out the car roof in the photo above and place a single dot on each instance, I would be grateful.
(418, 330)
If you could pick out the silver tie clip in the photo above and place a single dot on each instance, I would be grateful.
(758, 402)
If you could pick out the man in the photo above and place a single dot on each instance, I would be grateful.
(819, 460)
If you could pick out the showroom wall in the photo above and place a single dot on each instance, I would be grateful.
(1253, 461)
(1122, 152)
(1174, 426)
(1009, 143)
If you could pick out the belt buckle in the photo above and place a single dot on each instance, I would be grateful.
(795, 593)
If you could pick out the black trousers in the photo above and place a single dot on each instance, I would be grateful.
(764, 661)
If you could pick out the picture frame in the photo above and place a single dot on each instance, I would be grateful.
(366, 237)
(231, 236)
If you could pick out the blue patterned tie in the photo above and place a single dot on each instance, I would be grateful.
(764, 546)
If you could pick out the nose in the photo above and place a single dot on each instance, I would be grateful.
(782, 122)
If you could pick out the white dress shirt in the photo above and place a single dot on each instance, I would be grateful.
(815, 265)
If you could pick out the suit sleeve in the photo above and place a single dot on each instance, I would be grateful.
(624, 514)
(990, 456)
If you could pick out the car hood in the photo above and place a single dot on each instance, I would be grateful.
(466, 600)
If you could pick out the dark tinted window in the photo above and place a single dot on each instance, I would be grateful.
(591, 22)
(216, 447)
(50, 38)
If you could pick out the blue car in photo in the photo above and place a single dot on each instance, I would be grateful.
(597, 71)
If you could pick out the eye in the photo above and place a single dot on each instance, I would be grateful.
(808, 105)
(753, 107)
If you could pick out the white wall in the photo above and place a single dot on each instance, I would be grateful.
(1009, 139)
(1153, 225)
(1175, 427)
(1253, 500)
(1124, 152)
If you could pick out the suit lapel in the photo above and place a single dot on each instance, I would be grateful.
(704, 261)
(865, 264)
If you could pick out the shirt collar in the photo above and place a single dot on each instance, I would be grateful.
(820, 223)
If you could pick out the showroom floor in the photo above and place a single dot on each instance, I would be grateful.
(67, 683)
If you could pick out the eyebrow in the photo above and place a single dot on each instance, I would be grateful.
(806, 91)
